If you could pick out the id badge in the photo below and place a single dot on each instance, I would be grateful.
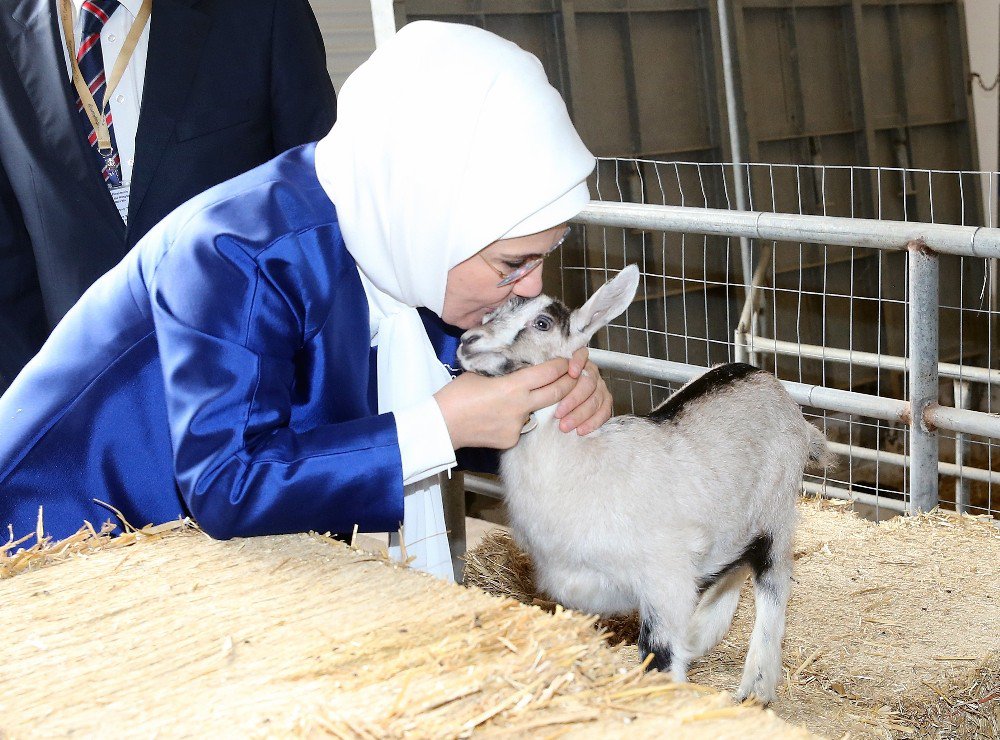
(119, 193)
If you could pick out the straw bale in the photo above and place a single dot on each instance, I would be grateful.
(16, 556)
(176, 634)
(893, 628)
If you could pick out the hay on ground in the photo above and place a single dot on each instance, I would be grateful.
(178, 634)
(893, 628)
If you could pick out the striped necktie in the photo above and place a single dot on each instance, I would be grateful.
(95, 14)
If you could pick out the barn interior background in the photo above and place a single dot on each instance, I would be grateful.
(857, 110)
(806, 185)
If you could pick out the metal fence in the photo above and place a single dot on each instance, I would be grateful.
(872, 292)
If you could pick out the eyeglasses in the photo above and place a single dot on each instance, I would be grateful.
(507, 278)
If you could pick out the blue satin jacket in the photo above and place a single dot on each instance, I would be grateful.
(221, 370)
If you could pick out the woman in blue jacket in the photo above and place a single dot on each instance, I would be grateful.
(258, 361)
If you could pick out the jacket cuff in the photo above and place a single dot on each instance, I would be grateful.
(424, 443)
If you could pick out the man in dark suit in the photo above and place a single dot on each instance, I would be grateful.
(227, 85)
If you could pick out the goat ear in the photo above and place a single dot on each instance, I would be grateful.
(610, 300)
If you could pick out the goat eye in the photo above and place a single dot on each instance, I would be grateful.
(542, 323)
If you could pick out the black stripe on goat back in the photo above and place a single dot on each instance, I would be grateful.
(703, 385)
(757, 555)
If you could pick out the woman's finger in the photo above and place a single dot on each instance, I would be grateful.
(602, 414)
(586, 386)
(550, 394)
(539, 376)
(593, 412)
(578, 362)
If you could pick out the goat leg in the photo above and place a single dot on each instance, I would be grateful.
(762, 671)
(664, 628)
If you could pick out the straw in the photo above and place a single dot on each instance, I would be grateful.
(879, 612)
(300, 635)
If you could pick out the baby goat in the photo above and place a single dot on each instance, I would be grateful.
(665, 513)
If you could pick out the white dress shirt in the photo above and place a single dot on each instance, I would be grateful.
(424, 443)
(127, 97)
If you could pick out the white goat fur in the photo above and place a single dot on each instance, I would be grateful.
(665, 516)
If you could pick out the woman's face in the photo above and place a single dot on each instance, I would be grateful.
(472, 290)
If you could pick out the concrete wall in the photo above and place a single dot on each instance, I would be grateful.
(347, 31)
(983, 21)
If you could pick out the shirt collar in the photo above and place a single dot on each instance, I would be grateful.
(132, 6)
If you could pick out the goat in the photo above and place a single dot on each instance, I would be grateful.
(667, 513)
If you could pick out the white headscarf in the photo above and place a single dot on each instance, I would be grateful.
(447, 139)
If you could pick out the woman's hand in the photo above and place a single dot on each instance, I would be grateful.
(589, 404)
(490, 412)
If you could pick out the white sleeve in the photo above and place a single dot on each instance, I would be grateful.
(424, 443)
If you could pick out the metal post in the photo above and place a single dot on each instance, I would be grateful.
(735, 150)
(749, 316)
(922, 334)
(962, 399)
(383, 20)
(453, 501)
(740, 353)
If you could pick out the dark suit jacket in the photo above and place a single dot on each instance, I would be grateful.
(229, 84)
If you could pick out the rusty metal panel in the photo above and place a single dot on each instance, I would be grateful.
(768, 74)
(867, 82)
(605, 112)
(880, 67)
(640, 76)
(673, 53)
(926, 50)
(534, 32)
(820, 80)
(825, 72)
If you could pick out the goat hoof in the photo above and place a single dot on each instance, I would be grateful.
(759, 697)
(656, 664)
(660, 662)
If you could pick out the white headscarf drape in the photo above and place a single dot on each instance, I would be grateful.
(447, 139)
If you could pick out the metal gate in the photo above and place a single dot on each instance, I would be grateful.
(866, 319)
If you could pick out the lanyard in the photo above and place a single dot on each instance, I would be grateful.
(97, 116)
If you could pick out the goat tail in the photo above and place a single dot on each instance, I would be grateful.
(820, 456)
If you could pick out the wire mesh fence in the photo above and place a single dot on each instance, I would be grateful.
(820, 314)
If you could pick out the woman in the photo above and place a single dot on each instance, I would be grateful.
(258, 362)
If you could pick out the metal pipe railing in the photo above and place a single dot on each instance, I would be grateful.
(832, 399)
(923, 241)
(967, 241)
(969, 373)
(817, 396)
(954, 470)
(824, 489)
(962, 420)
